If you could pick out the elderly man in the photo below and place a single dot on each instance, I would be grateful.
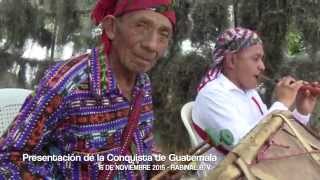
(227, 98)
(98, 104)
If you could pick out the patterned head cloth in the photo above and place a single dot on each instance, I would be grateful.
(120, 7)
(230, 41)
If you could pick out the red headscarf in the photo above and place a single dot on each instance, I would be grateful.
(120, 7)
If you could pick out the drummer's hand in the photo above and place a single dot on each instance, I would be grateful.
(306, 101)
(287, 89)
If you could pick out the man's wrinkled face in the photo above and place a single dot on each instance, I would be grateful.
(140, 39)
(248, 66)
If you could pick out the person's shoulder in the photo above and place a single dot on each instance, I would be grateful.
(63, 71)
(75, 61)
(213, 87)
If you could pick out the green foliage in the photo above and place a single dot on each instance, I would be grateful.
(249, 13)
(307, 20)
(51, 23)
(295, 43)
(210, 17)
(183, 25)
(67, 19)
(181, 76)
(18, 20)
(44, 23)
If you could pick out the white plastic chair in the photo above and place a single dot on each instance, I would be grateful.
(186, 116)
(11, 100)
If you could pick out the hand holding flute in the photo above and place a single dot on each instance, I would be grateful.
(304, 94)
(307, 98)
(286, 90)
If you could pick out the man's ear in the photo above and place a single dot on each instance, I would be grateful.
(109, 26)
(229, 60)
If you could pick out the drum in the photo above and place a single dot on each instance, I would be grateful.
(278, 148)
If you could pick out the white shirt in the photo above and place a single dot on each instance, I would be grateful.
(220, 104)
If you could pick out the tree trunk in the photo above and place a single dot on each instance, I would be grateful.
(235, 13)
(54, 36)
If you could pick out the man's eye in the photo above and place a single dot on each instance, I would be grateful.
(256, 58)
(141, 25)
(165, 35)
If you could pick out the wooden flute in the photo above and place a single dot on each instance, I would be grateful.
(314, 88)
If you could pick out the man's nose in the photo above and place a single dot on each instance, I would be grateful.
(261, 66)
(150, 41)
